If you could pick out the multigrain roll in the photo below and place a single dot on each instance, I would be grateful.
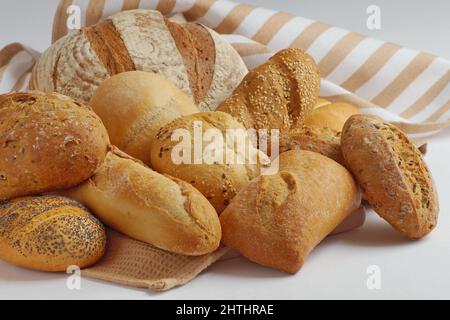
(216, 178)
(321, 140)
(331, 115)
(277, 220)
(135, 105)
(279, 94)
(49, 233)
(193, 57)
(392, 174)
(48, 142)
(147, 206)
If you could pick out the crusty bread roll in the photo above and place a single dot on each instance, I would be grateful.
(49, 233)
(278, 94)
(193, 57)
(145, 205)
(276, 220)
(134, 105)
(321, 140)
(332, 115)
(392, 174)
(217, 180)
(48, 142)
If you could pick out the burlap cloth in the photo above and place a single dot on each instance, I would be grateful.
(134, 263)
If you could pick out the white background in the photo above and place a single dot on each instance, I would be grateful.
(338, 266)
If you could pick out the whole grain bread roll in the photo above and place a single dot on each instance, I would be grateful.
(216, 179)
(331, 115)
(193, 57)
(49, 233)
(47, 142)
(277, 220)
(147, 206)
(392, 174)
(135, 105)
(279, 94)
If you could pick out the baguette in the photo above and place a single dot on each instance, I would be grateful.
(147, 206)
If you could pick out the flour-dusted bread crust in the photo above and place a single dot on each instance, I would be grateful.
(279, 94)
(276, 220)
(134, 105)
(218, 181)
(392, 174)
(147, 206)
(48, 142)
(49, 233)
(194, 58)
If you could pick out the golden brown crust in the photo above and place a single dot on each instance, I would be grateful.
(392, 173)
(278, 94)
(109, 47)
(135, 105)
(218, 182)
(49, 233)
(147, 206)
(321, 140)
(276, 220)
(47, 142)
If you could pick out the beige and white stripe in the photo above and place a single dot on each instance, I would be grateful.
(405, 86)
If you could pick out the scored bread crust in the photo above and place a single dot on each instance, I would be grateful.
(279, 94)
(142, 40)
(48, 142)
(276, 220)
(392, 174)
(49, 233)
(147, 206)
(218, 182)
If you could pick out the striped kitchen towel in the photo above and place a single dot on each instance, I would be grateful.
(404, 86)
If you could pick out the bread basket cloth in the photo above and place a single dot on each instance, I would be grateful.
(403, 86)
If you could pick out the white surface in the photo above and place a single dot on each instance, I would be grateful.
(337, 268)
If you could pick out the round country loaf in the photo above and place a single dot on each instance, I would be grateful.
(47, 142)
(392, 174)
(135, 105)
(331, 115)
(193, 57)
(49, 233)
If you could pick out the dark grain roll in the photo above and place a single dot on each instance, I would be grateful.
(392, 174)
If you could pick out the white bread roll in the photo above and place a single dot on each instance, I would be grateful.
(49, 233)
(147, 206)
(218, 181)
(135, 105)
(193, 57)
